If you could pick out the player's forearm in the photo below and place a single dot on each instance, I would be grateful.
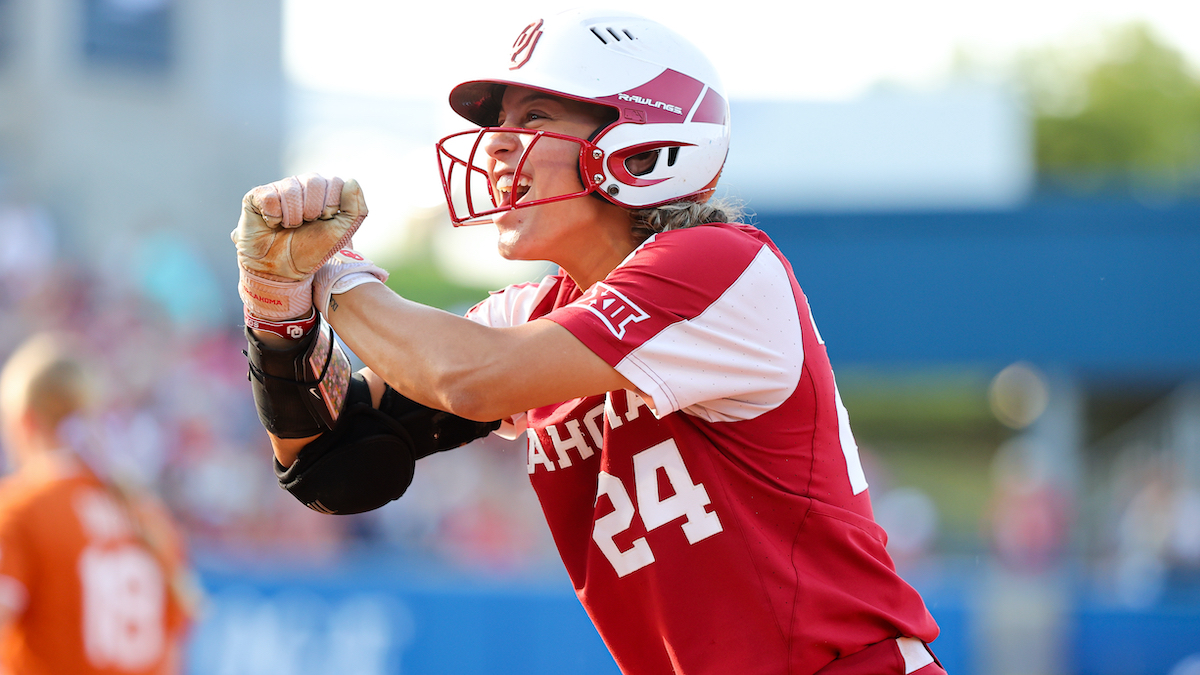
(286, 449)
(482, 373)
(431, 356)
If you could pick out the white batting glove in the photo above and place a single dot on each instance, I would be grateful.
(345, 270)
(287, 230)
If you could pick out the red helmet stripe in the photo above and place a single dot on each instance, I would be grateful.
(712, 109)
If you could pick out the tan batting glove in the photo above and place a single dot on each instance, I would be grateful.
(287, 230)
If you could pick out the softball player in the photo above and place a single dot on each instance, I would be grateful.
(93, 580)
(685, 433)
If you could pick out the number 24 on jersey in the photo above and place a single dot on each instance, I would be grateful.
(688, 501)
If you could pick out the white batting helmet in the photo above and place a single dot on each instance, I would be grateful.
(666, 96)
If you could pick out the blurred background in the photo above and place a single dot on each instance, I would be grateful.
(994, 211)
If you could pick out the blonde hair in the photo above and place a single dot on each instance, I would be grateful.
(682, 214)
(46, 378)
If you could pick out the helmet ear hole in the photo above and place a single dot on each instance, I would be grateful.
(643, 163)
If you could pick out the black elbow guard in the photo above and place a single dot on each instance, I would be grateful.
(364, 462)
(369, 457)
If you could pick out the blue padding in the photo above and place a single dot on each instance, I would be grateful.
(1108, 286)
(372, 619)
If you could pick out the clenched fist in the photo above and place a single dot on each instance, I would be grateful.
(290, 227)
(287, 230)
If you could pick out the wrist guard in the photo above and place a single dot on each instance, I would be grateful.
(294, 329)
(299, 390)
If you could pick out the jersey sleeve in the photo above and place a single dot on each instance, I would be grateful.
(511, 306)
(703, 320)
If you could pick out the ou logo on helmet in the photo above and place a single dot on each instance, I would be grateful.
(523, 47)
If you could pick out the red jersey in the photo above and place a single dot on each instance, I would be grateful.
(88, 597)
(724, 525)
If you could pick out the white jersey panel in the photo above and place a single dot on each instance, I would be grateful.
(739, 359)
(511, 306)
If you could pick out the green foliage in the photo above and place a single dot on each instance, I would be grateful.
(416, 274)
(1125, 113)
(420, 280)
(914, 406)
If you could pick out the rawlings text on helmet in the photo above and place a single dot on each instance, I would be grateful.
(651, 102)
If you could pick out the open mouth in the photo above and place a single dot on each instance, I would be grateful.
(509, 192)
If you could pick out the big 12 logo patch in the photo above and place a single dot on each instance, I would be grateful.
(613, 308)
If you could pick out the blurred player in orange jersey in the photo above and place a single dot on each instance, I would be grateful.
(91, 576)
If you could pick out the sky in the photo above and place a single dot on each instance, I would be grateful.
(799, 49)
(764, 50)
